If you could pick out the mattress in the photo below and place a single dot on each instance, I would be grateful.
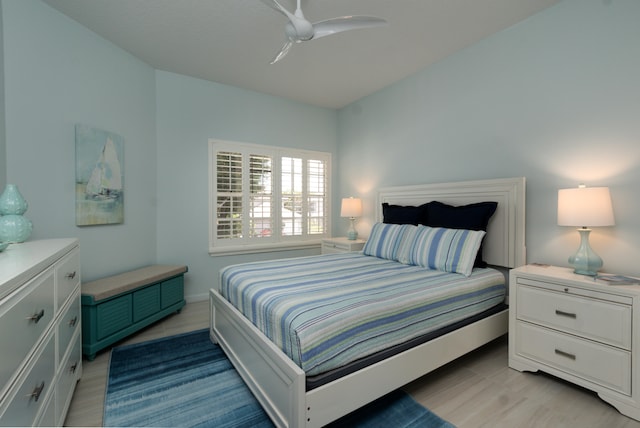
(325, 312)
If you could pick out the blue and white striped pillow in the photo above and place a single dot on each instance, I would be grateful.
(448, 250)
(385, 240)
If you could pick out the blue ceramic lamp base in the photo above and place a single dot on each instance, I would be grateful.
(352, 233)
(585, 261)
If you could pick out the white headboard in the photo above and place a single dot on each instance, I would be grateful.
(504, 244)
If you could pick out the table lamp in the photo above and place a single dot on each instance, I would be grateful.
(585, 207)
(352, 208)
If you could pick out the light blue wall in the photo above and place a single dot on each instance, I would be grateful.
(3, 140)
(189, 113)
(58, 73)
(555, 99)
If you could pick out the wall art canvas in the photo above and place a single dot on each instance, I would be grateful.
(99, 177)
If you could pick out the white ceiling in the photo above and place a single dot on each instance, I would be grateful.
(232, 41)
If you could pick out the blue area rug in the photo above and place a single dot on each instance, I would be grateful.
(187, 381)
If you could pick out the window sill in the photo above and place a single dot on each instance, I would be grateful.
(264, 248)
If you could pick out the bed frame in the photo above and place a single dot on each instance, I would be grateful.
(279, 384)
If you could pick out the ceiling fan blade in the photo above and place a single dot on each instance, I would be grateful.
(283, 51)
(299, 29)
(345, 23)
(273, 4)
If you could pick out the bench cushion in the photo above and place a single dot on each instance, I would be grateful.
(113, 285)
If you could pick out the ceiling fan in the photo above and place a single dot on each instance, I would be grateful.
(299, 29)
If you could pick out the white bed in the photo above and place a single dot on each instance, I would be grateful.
(280, 385)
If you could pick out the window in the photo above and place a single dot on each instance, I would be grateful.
(264, 198)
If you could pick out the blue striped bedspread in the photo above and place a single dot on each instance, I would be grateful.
(325, 311)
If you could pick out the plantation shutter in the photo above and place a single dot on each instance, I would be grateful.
(265, 196)
(229, 195)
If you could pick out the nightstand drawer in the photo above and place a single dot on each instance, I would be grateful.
(604, 365)
(341, 245)
(333, 249)
(599, 320)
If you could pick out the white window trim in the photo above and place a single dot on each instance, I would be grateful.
(218, 247)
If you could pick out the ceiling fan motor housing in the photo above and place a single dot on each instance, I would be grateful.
(302, 31)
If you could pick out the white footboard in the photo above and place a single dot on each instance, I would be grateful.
(336, 399)
(279, 384)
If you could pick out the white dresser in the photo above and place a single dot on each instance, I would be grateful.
(578, 329)
(40, 351)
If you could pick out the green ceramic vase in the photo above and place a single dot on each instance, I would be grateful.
(13, 226)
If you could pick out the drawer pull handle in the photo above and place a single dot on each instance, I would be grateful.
(73, 367)
(36, 317)
(565, 314)
(73, 321)
(36, 392)
(565, 354)
(71, 275)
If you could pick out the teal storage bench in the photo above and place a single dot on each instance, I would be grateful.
(116, 306)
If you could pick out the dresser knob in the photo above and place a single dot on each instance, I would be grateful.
(36, 317)
(71, 275)
(35, 394)
(73, 367)
(73, 321)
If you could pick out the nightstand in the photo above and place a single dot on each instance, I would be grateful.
(341, 245)
(578, 329)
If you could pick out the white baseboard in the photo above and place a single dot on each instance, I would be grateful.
(196, 298)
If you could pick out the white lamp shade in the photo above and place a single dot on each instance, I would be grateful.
(351, 207)
(585, 207)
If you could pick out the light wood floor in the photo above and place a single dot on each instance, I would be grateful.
(477, 390)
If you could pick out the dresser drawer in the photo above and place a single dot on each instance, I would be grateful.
(70, 371)
(601, 364)
(67, 276)
(604, 321)
(48, 416)
(68, 325)
(24, 317)
(32, 393)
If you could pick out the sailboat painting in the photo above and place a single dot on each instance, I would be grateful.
(99, 177)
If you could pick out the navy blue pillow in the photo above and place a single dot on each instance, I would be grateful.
(471, 217)
(399, 214)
